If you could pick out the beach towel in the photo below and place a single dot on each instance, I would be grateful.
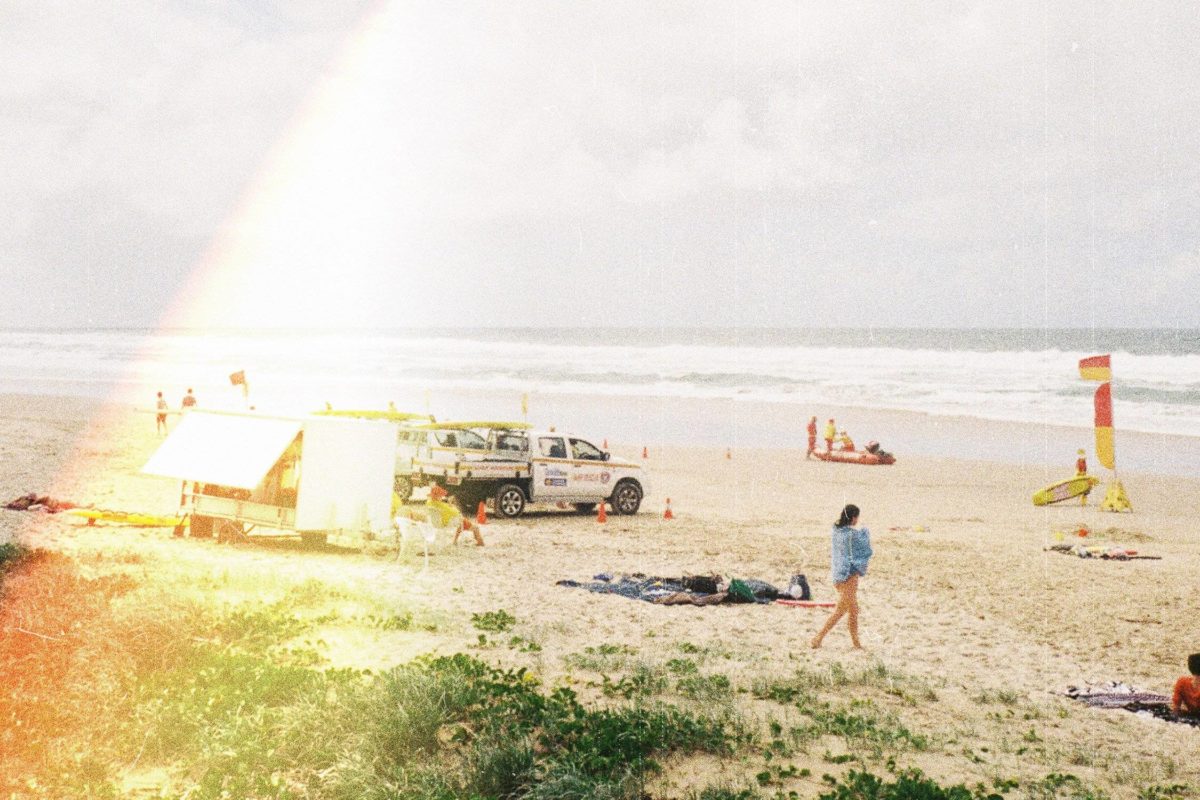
(1114, 695)
(676, 591)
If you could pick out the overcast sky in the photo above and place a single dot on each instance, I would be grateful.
(276, 162)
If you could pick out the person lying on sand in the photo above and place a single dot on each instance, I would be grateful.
(850, 553)
(1186, 697)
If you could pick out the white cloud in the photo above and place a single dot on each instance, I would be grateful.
(743, 137)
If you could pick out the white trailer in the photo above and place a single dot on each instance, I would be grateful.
(321, 477)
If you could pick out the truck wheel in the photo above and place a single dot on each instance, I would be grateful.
(626, 497)
(313, 539)
(403, 488)
(584, 508)
(510, 500)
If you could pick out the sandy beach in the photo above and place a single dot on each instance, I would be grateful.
(981, 628)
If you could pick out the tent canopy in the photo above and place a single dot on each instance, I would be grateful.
(223, 449)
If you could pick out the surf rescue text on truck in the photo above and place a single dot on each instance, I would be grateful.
(526, 466)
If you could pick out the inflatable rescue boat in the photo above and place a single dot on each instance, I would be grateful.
(877, 458)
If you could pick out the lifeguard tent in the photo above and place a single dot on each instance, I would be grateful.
(321, 477)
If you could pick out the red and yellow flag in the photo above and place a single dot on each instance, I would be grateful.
(1096, 368)
(1104, 425)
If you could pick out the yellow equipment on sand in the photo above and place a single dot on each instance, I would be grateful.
(1115, 499)
(92, 515)
(1065, 490)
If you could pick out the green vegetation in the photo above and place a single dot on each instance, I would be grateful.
(233, 702)
(861, 723)
(104, 681)
(494, 621)
(11, 554)
(602, 658)
(807, 681)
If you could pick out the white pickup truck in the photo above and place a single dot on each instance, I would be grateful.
(527, 466)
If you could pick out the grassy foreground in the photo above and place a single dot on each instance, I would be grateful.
(118, 686)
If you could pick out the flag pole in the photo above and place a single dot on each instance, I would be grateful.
(1099, 368)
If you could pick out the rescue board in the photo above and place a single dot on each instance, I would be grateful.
(92, 515)
(370, 413)
(855, 457)
(460, 425)
(1065, 490)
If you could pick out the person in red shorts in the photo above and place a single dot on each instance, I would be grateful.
(812, 437)
(1081, 463)
(1186, 697)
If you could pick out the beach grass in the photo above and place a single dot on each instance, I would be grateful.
(235, 701)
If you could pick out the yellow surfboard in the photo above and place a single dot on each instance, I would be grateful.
(369, 413)
(94, 515)
(464, 425)
(1065, 490)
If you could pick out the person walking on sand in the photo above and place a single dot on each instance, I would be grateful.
(160, 418)
(830, 432)
(812, 437)
(189, 399)
(849, 555)
(1081, 463)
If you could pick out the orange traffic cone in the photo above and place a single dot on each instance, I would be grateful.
(667, 514)
(481, 514)
(645, 452)
(602, 514)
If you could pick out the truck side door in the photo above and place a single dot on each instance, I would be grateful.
(551, 468)
(590, 475)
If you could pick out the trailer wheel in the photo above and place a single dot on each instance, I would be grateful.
(229, 531)
(626, 497)
(313, 539)
(403, 488)
(584, 508)
(510, 500)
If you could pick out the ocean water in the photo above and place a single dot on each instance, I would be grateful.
(1007, 374)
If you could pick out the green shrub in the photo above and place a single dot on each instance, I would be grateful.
(704, 687)
(11, 555)
(908, 785)
(494, 621)
(502, 769)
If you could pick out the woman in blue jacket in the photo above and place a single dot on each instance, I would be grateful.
(850, 553)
